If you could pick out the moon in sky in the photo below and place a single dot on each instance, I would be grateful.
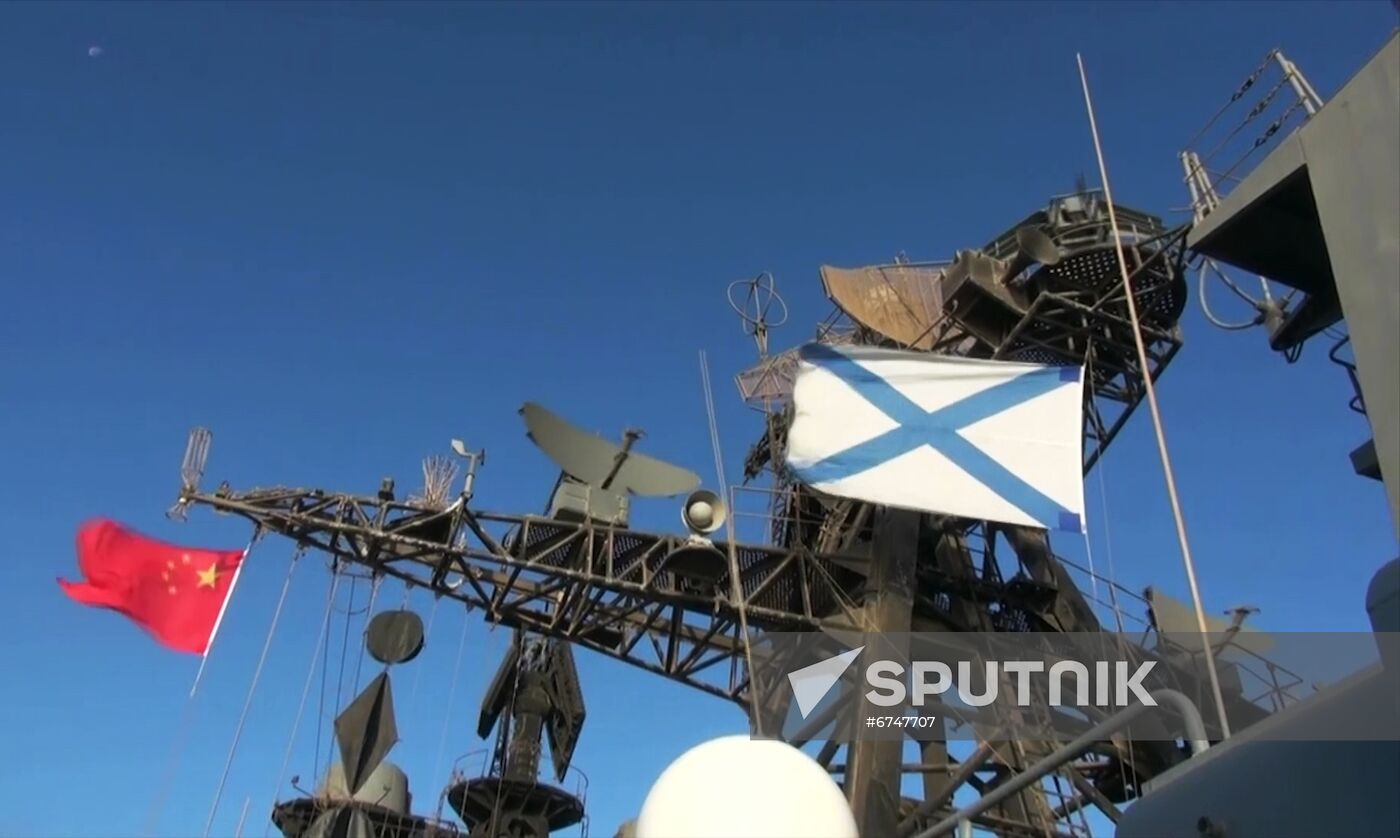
(93, 52)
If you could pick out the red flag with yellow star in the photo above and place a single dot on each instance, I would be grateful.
(175, 593)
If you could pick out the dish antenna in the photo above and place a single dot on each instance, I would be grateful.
(602, 464)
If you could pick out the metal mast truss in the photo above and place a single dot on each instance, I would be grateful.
(604, 588)
(1046, 291)
(1000, 302)
(608, 589)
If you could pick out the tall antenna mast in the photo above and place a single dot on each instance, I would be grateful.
(752, 300)
(1151, 392)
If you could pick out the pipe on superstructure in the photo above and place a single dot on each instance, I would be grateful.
(1196, 740)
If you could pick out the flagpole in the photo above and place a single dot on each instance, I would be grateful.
(218, 620)
(187, 715)
(1150, 388)
(252, 688)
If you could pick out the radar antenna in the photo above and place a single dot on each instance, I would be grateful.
(759, 295)
(536, 689)
(591, 459)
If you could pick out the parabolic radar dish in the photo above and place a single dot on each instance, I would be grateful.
(591, 459)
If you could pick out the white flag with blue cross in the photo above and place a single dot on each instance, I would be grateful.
(988, 440)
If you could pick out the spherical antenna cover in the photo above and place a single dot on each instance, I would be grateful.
(737, 787)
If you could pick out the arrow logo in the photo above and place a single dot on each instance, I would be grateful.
(810, 684)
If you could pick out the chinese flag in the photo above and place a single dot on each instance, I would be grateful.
(175, 593)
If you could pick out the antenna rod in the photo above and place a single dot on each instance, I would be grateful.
(736, 587)
(1156, 415)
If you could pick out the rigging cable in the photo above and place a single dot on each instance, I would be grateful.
(1088, 549)
(1117, 608)
(187, 714)
(306, 691)
(1254, 113)
(369, 615)
(427, 630)
(1243, 89)
(735, 586)
(325, 665)
(1108, 548)
(451, 695)
(252, 688)
(1113, 587)
(1151, 391)
(242, 817)
(345, 643)
(340, 673)
(182, 736)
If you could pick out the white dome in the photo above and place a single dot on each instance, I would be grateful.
(737, 787)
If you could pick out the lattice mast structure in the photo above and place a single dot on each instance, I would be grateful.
(1047, 290)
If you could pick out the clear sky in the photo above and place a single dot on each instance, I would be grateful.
(339, 235)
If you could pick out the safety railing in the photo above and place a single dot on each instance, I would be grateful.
(1223, 149)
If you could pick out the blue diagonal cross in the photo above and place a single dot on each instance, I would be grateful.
(938, 429)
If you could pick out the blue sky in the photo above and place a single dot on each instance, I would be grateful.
(341, 235)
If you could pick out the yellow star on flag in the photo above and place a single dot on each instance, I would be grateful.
(208, 577)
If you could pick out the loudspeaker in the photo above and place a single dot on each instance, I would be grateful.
(1033, 247)
(704, 512)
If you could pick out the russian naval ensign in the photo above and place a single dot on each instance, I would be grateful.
(988, 440)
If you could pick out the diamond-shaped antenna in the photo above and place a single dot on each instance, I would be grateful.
(366, 731)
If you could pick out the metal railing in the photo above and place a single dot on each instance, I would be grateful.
(1211, 161)
(1217, 158)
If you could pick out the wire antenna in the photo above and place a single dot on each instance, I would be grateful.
(196, 455)
(439, 473)
(191, 470)
(758, 296)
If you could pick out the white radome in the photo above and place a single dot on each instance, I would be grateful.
(737, 787)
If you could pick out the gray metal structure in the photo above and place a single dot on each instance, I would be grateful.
(1251, 786)
(534, 695)
(363, 795)
(1320, 214)
(1045, 290)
